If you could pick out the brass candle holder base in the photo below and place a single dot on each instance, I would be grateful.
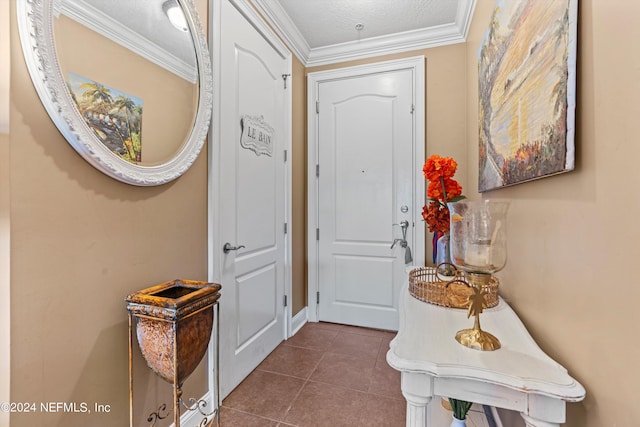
(476, 338)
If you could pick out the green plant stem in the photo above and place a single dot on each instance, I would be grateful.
(460, 408)
(444, 192)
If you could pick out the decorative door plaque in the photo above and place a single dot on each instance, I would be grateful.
(257, 135)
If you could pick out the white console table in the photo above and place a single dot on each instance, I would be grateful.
(519, 376)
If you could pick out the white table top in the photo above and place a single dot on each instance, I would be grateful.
(426, 343)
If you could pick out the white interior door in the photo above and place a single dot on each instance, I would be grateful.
(253, 108)
(365, 150)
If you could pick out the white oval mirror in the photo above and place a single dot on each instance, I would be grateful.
(129, 89)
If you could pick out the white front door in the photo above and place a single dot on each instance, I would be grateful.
(251, 162)
(366, 173)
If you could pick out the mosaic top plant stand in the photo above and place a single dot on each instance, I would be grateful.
(173, 323)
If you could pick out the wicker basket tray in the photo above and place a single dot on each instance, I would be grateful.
(426, 286)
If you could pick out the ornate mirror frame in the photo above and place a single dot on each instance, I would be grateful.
(35, 24)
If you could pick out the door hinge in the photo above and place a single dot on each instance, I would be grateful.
(285, 228)
(317, 234)
(285, 300)
(317, 107)
(413, 108)
(318, 297)
(318, 171)
(285, 156)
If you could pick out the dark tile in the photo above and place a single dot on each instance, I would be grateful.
(356, 345)
(312, 337)
(294, 361)
(232, 418)
(362, 331)
(383, 412)
(385, 381)
(349, 371)
(334, 327)
(325, 405)
(265, 394)
(384, 345)
(326, 375)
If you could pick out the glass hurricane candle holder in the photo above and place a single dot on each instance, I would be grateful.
(478, 240)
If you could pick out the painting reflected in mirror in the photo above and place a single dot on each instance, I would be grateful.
(114, 116)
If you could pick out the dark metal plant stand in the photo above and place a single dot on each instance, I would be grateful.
(173, 323)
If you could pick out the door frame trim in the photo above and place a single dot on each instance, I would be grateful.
(417, 65)
(214, 179)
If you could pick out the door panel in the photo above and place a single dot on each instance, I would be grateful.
(354, 271)
(365, 152)
(252, 196)
(362, 181)
(257, 305)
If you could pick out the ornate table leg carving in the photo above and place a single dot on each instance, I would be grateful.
(533, 422)
(416, 409)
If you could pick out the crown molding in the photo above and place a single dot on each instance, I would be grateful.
(279, 20)
(383, 45)
(464, 16)
(246, 8)
(443, 35)
(108, 27)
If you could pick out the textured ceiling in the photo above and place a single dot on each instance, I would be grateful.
(330, 22)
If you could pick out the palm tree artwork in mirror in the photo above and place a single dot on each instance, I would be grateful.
(114, 116)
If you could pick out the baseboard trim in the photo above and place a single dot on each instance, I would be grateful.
(194, 418)
(298, 321)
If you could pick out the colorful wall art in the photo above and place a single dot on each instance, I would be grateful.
(114, 116)
(527, 80)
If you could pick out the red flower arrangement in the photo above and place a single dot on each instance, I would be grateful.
(442, 189)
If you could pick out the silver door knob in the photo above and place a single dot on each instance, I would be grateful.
(228, 248)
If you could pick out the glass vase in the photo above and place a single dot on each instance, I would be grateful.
(479, 235)
(445, 268)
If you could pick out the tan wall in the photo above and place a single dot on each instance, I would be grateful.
(81, 242)
(299, 186)
(5, 295)
(4, 67)
(572, 237)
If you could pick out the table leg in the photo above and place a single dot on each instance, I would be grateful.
(416, 409)
(534, 422)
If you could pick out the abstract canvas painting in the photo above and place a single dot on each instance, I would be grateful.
(527, 80)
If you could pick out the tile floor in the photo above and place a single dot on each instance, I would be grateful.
(326, 375)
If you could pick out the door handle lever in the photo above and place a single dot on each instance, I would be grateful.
(404, 224)
(228, 248)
